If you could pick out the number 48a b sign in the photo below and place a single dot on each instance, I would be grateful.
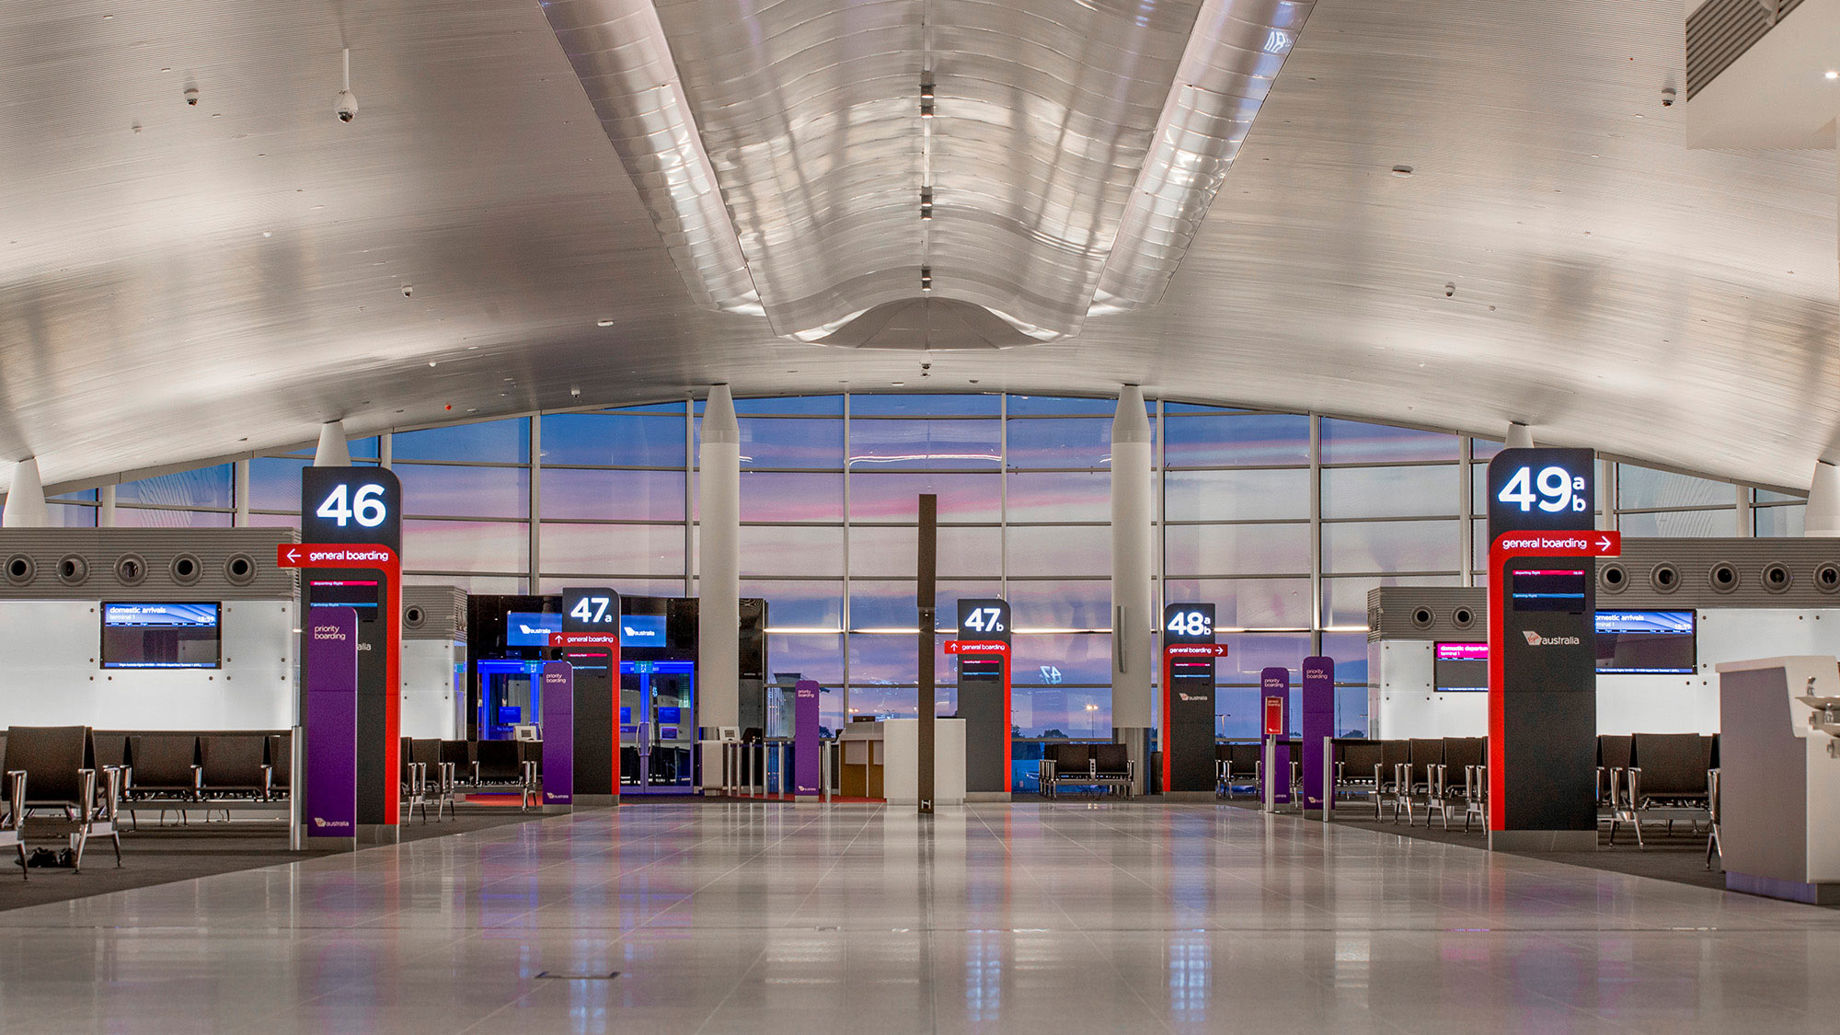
(351, 505)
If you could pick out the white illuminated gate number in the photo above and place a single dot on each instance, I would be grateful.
(1190, 623)
(365, 506)
(985, 620)
(592, 610)
(1557, 490)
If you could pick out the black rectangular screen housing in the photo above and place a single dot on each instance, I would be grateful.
(1549, 589)
(1646, 643)
(1460, 667)
(155, 635)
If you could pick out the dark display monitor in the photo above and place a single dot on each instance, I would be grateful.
(1646, 643)
(138, 635)
(365, 596)
(1548, 589)
(1460, 667)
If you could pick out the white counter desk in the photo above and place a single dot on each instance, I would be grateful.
(882, 760)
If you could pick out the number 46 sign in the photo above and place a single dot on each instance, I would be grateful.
(351, 505)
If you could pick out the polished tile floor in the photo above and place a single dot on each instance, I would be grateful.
(1068, 918)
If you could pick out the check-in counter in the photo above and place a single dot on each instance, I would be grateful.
(882, 760)
(1779, 808)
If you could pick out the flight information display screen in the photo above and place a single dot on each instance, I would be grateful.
(1460, 667)
(1548, 589)
(161, 636)
(1646, 643)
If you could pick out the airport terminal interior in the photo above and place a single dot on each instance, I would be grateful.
(931, 515)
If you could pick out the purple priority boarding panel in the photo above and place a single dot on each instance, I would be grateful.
(332, 723)
(1275, 688)
(805, 742)
(558, 733)
(1318, 722)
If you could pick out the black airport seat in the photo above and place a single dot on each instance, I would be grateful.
(1668, 779)
(1395, 757)
(233, 765)
(501, 764)
(438, 776)
(1112, 767)
(112, 749)
(281, 764)
(1613, 755)
(1064, 763)
(1357, 768)
(460, 754)
(1463, 779)
(1237, 765)
(531, 751)
(165, 765)
(59, 763)
(1419, 782)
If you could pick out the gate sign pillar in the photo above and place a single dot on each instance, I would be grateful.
(1318, 723)
(1189, 718)
(983, 651)
(1542, 648)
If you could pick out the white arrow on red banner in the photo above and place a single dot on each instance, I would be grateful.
(976, 647)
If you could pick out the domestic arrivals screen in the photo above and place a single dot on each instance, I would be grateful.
(161, 636)
(1549, 589)
(1460, 667)
(530, 628)
(1646, 643)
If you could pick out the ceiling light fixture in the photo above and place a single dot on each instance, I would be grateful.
(1832, 74)
(1402, 171)
(603, 323)
(926, 203)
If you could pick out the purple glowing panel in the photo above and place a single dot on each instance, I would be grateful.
(1275, 688)
(805, 743)
(1318, 722)
(332, 723)
(558, 733)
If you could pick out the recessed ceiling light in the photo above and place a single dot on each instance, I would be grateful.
(603, 323)
(1402, 170)
(1832, 74)
(897, 384)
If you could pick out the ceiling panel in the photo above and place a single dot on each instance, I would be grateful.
(185, 282)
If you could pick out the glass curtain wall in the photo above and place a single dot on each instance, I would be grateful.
(1282, 520)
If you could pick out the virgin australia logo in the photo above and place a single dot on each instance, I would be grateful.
(1534, 639)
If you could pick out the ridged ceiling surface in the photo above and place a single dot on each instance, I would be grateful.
(180, 283)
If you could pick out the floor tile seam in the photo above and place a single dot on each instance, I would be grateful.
(1091, 943)
(836, 860)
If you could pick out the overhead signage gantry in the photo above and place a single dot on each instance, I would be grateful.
(1542, 647)
(1189, 651)
(351, 527)
(983, 652)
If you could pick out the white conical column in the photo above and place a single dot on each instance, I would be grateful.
(332, 451)
(719, 564)
(25, 499)
(1133, 708)
(1822, 515)
(1520, 436)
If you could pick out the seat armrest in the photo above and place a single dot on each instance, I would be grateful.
(198, 781)
(16, 791)
(1633, 780)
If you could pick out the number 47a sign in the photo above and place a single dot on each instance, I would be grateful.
(351, 505)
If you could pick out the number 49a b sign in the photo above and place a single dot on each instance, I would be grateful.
(1541, 489)
(351, 505)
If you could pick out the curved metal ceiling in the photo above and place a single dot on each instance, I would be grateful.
(180, 283)
(873, 153)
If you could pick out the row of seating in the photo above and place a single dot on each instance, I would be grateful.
(442, 770)
(54, 769)
(1432, 775)
(1105, 766)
